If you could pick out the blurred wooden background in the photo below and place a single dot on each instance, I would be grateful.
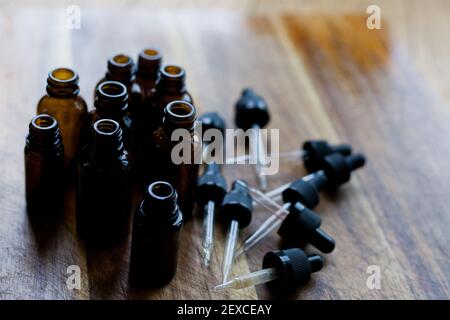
(324, 74)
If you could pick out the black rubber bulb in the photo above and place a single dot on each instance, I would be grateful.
(305, 191)
(212, 120)
(251, 110)
(211, 185)
(237, 204)
(338, 168)
(302, 226)
(293, 266)
(316, 150)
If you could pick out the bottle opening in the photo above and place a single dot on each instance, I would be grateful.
(44, 122)
(151, 53)
(121, 59)
(180, 109)
(172, 71)
(112, 89)
(161, 190)
(63, 75)
(106, 127)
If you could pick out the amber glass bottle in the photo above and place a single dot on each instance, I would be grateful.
(171, 86)
(183, 176)
(121, 68)
(44, 168)
(111, 102)
(64, 104)
(104, 187)
(156, 235)
(149, 62)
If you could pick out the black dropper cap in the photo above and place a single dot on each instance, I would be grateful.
(307, 192)
(316, 150)
(338, 168)
(211, 185)
(302, 226)
(251, 110)
(212, 120)
(237, 204)
(293, 266)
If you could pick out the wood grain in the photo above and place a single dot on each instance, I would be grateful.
(324, 75)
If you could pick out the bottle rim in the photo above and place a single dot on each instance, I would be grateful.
(112, 89)
(63, 75)
(44, 122)
(106, 127)
(161, 190)
(150, 54)
(121, 60)
(172, 71)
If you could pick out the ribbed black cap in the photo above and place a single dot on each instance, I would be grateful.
(211, 185)
(251, 110)
(302, 226)
(212, 120)
(338, 168)
(237, 204)
(294, 268)
(316, 150)
(301, 191)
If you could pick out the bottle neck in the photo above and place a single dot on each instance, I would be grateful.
(44, 135)
(179, 115)
(108, 142)
(161, 204)
(171, 80)
(149, 62)
(121, 68)
(62, 82)
(111, 98)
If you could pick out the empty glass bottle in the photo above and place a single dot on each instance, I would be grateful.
(64, 104)
(44, 168)
(111, 102)
(121, 68)
(149, 62)
(156, 234)
(171, 86)
(182, 173)
(104, 187)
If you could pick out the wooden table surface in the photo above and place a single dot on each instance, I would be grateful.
(324, 75)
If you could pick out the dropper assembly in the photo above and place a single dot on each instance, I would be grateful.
(298, 225)
(252, 113)
(283, 271)
(312, 153)
(237, 212)
(211, 188)
(337, 171)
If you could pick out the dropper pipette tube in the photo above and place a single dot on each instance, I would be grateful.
(237, 210)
